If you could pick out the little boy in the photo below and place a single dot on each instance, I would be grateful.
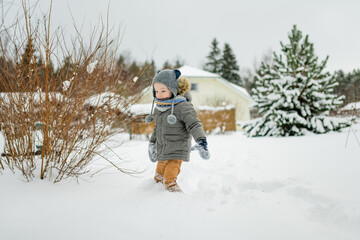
(175, 122)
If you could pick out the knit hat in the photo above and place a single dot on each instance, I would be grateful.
(170, 78)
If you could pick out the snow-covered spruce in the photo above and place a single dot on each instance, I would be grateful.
(295, 93)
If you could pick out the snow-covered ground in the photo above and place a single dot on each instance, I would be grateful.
(251, 188)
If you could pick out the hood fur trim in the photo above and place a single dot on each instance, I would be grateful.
(184, 86)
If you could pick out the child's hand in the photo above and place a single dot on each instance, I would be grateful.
(201, 145)
(152, 151)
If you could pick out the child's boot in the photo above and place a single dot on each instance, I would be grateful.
(158, 178)
(173, 187)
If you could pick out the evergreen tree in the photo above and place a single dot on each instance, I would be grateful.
(121, 61)
(354, 90)
(178, 63)
(296, 94)
(349, 85)
(46, 73)
(67, 70)
(214, 58)
(149, 70)
(229, 69)
(26, 68)
(134, 68)
(174, 64)
(167, 65)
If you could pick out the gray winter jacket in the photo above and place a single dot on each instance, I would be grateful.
(173, 141)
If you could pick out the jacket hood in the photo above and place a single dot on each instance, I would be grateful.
(188, 96)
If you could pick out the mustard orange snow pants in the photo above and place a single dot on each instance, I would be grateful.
(167, 172)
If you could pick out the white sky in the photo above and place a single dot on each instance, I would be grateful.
(169, 29)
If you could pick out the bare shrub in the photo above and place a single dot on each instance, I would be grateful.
(56, 120)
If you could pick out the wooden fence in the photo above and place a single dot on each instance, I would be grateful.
(218, 120)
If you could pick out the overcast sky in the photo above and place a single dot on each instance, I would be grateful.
(169, 29)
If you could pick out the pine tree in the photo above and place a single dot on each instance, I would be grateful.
(25, 69)
(214, 58)
(295, 94)
(229, 69)
(349, 85)
(354, 89)
(134, 68)
(67, 70)
(167, 65)
(148, 72)
(121, 61)
(174, 64)
(179, 63)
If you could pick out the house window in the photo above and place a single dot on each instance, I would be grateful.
(194, 86)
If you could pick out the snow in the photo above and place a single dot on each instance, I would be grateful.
(140, 109)
(27, 99)
(215, 109)
(91, 67)
(66, 85)
(351, 106)
(36, 97)
(252, 188)
(187, 71)
(106, 98)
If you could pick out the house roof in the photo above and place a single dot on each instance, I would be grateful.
(188, 71)
(140, 109)
(240, 90)
(352, 106)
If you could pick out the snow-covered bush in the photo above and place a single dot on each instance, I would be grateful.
(295, 94)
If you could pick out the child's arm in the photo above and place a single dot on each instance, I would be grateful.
(195, 127)
(192, 122)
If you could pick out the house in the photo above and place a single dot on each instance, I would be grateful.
(209, 89)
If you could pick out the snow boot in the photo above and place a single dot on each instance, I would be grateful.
(173, 187)
(159, 178)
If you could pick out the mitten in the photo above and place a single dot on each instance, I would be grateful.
(152, 151)
(201, 145)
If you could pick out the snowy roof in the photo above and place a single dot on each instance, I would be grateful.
(352, 106)
(106, 98)
(188, 71)
(36, 97)
(140, 109)
(242, 91)
(27, 99)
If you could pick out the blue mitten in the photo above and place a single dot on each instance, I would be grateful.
(201, 145)
(152, 151)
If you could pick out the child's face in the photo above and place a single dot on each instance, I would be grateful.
(161, 91)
